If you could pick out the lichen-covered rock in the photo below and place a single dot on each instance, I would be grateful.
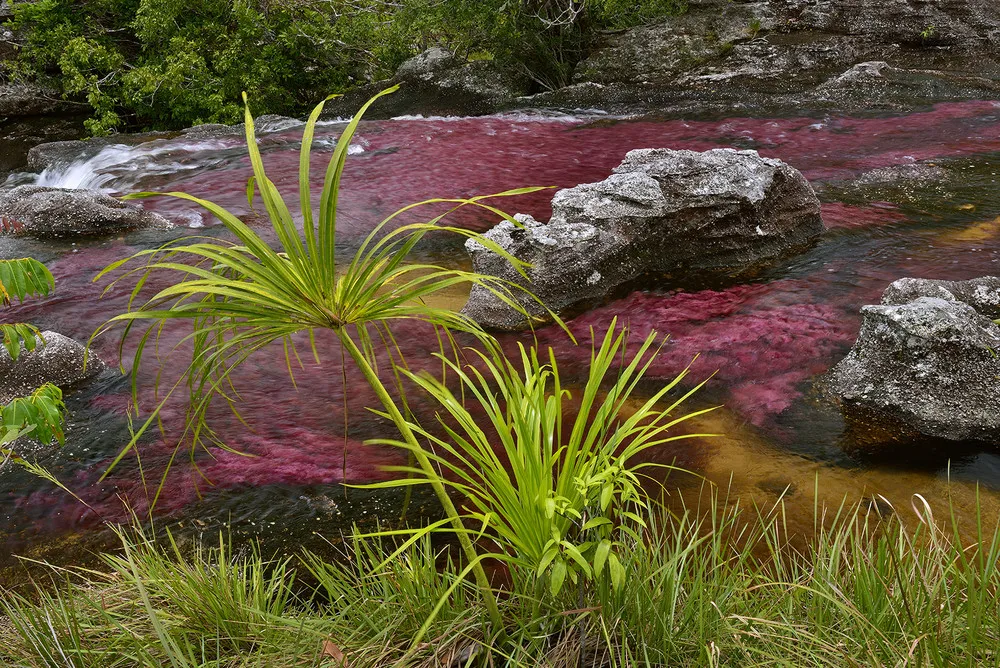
(982, 294)
(663, 212)
(57, 359)
(924, 364)
(44, 212)
(431, 60)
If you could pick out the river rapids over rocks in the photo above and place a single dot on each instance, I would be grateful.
(902, 195)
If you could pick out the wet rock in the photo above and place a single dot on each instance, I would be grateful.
(649, 54)
(8, 46)
(59, 361)
(720, 213)
(924, 365)
(61, 153)
(66, 152)
(30, 115)
(43, 212)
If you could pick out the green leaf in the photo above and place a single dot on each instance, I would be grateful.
(607, 494)
(617, 571)
(549, 505)
(601, 556)
(22, 278)
(20, 335)
(41, 413)
(557, 576)
(596, 522)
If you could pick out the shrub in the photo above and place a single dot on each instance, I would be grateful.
(174, 63)
(558, 516)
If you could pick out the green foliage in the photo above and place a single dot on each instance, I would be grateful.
(724, 586)
(541, 39)
(173, 63)
(23, 278)
(617, 14)
(242, 297)
(40, 414)
(558, 496)
(20, 335)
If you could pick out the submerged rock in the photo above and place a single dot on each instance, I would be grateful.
(59, 361)
(722, 213)
(924, 364)
(51, 154)
(44, 212)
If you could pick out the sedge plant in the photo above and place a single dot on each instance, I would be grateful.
(553, 481)
(244, 296)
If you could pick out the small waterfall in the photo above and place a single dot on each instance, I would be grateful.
(118, 167)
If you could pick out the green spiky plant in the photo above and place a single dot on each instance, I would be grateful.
(40, 414)
(244, 296)
(553, 487)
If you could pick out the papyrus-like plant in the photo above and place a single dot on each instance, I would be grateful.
(243, 296)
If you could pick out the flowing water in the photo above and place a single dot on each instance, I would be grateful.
(767, 341)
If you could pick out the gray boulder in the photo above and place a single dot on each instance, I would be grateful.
(720, 213)
(59, 361)
(436, 83)
(924, 364)
(44, 212)
(431, 60)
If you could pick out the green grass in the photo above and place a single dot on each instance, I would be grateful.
(721, 586)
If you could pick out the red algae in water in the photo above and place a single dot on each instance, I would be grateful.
(758, 344)
(765, 340)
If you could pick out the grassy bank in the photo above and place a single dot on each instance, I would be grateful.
(716, 586)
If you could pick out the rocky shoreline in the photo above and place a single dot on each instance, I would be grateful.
(723, 57)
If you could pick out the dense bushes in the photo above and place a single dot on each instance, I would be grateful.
(171, 63)
(174, 63)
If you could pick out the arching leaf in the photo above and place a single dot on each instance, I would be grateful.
(20, 335)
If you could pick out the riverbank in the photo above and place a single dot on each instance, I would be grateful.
(715, 586)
